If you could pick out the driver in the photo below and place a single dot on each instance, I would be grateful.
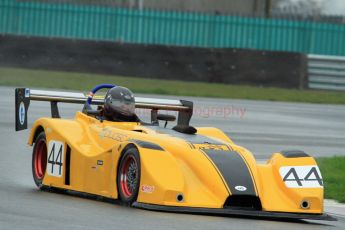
(119, 105)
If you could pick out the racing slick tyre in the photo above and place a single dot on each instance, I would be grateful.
(128, 176)
(39, 159)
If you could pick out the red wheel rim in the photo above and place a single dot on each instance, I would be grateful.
(129, 176)
(40, 159)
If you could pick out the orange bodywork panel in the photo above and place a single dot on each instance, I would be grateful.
(186, 164)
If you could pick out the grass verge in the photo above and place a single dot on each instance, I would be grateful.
(84, 82)
(333, 174)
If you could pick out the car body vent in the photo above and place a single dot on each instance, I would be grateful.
(243, 202)
(68, 166)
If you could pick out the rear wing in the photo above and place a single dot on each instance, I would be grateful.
(23, 96)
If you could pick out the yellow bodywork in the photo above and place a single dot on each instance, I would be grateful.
(177, 169)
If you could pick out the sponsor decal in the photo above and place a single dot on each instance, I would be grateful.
(301, 176)
(22, 113)
(240, 188)
(215, 147)
(27, 92)
(108, 133)
(55, 158)
(147, 188)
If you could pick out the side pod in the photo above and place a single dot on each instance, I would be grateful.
(291, 182)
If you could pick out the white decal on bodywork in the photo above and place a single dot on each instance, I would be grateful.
(55, 158)
(301, 176)
(21, 113)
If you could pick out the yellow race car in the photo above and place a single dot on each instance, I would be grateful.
(113, 154)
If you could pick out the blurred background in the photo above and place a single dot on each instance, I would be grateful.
(268, 43)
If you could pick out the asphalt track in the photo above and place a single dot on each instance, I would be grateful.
(264, 127)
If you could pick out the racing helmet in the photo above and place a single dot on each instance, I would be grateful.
(119, 104)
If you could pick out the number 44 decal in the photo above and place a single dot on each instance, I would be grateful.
(301, 176)
(55, 158)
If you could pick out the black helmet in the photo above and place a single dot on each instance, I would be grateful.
(119, 104)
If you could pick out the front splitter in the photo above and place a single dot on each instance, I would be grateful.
(234, 212)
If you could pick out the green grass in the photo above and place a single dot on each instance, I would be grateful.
(333, 173)
(84, 82)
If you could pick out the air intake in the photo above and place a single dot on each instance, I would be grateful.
(243, 202)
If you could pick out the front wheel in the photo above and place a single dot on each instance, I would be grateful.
(39, 159)
(128, 176)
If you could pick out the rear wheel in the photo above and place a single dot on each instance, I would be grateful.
(128, 176)
(39, 159)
